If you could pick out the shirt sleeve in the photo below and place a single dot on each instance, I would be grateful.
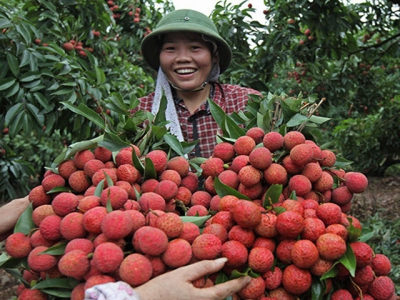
(110, 291)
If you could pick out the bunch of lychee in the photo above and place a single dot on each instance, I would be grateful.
(117, 222)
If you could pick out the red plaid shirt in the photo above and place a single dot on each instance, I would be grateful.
(201, 125)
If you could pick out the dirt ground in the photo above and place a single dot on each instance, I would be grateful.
(382, 194)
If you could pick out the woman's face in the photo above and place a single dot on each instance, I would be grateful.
(185, 59)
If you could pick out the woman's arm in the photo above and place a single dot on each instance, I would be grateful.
(9, 215)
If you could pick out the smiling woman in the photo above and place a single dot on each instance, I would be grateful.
(189, 55)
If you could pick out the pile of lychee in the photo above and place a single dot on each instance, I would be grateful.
(126, 216)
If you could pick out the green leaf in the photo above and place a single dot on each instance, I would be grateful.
(223, 190)
(149, 170)
(296, 120)
(88, 113)
(99, 188)
(100, 76)
(272, 195)
(66, 283)
(57, 249)
(6, 83)
(113, 142)
(349, 260)
(25, 223)
(218, 114)
(24, 33)
(174, 143)
(317, 290)
(199, 221)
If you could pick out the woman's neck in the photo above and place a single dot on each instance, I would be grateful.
(193, 100)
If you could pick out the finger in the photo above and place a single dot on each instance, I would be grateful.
(228, 288)
(196, 270)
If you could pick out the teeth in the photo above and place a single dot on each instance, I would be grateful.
(185, 71)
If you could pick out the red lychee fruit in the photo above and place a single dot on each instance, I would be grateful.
(246, 214)
(65, 203)
(212, 167)
(260, 158)
(135, 269)
(93, 218)
(71, 226)
(281, 294)
(382, 288)
(273, 141)
(50, 227)
(151, 201)
(341, 195)
(321, 267)
(18, 245)
(78, 292)
(66, 168)
(150, 240)
(209, 185)
(253, 290)
(52, 181)
(127, 172)
(107, 257)
(102, 154)
(38, 196)
(103, 174)
(299, 184)
(243, 235)
(92, 166)
(98, 279)
(229, 178)
(295, 280)
(257, 134)
(227, 202)
(323, 184)
(38, 261)
(177, 254)
(201, 198)
(41, 212)
(252, 192)
(170, 223)
(159, 267)
(273, 278)
(191, 181)
(38, 240)
(260, 259)
(290, 166)
(149, 185)
(224, 218)
(81, 157)
(166, 189)
(189, 232)
(116, 225)
(290, 224)
(138, 219)
(88, 202)
(152, 215)
(82, 244)
(74, 264)
(32, 294)
(78, 181)
(363, 253)
(124, 156)
(171, 175)
(364, 276)
(328, 158)
(206, 246)
(356, 182)
(239, 162)
(341, 294)
(275, 174)
(197, 210)
(217, 230)
(301, 154)
(179, 164)
(312, 171)
(244, 145)
(184, 195)
(249, 176)
(225, 151)
(267, 226)
(381, 265)
(264, 242)
(313, 228)
(329, 213)
(338, 229)
(115, 195)
(235, 252)
(304, 254)
(159, 159)
(330, 246)
(293, 138)
(293, 205)
(283, 250)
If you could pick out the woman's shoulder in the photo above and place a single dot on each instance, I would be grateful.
(234, 89)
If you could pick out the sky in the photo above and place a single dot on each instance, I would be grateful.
(206, 6)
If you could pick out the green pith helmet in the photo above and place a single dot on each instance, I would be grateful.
(184, 20)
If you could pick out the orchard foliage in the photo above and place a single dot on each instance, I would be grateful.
(345, 53)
